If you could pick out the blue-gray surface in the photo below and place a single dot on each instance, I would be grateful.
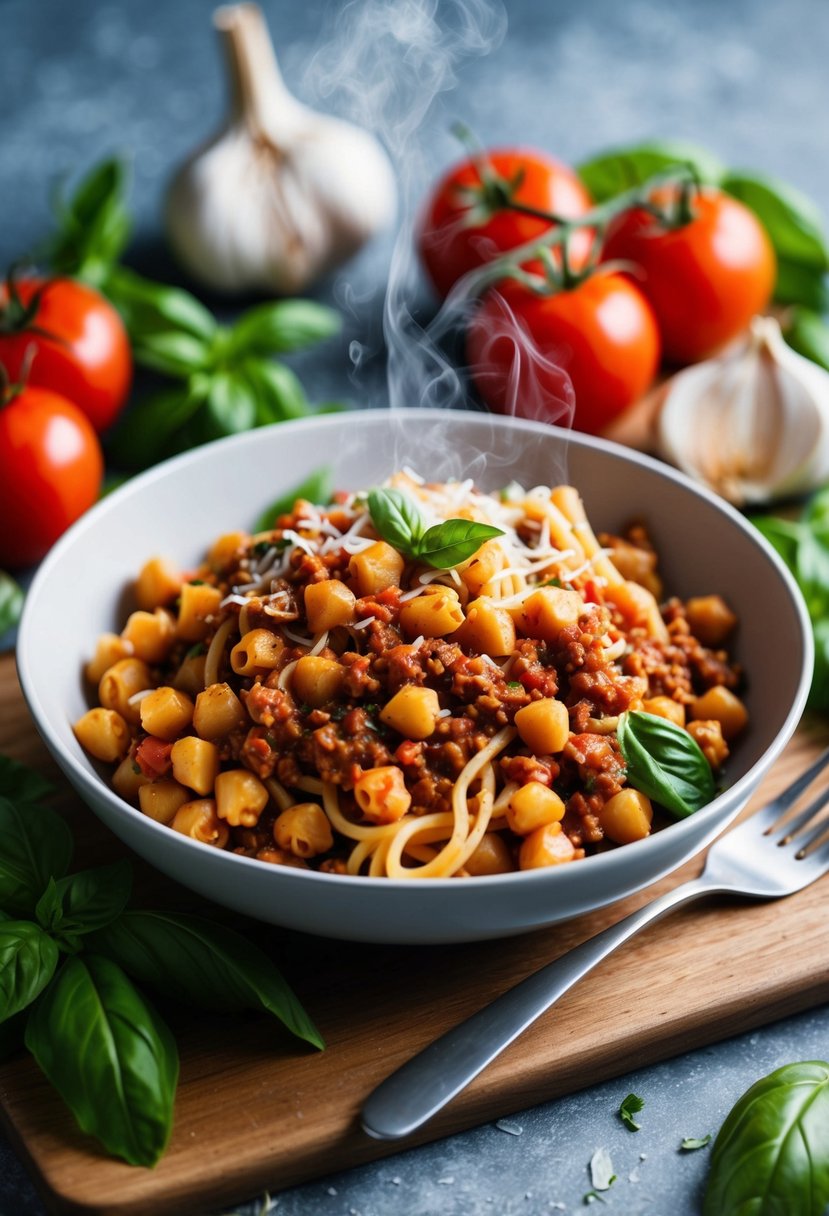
(746, 78)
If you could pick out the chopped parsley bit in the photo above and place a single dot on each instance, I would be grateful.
(136, 768)
(371, 708)
(262, 547)
(511, 492)
(305, 708)
(339, 712)
(592, 1197)
(514, 684)
(631, 1106)
(692, 1142)
(553, 582)
(196, 582)
(195, 651)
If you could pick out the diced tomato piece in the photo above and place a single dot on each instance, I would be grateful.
(153, 757)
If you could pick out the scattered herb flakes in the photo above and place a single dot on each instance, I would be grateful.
(630, 1107)
(512, 1129)
(692, 1142)
(592, 1197)
(601, 1170)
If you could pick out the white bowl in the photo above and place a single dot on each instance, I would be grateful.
(179, 507)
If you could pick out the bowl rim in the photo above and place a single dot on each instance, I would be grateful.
(95, 787)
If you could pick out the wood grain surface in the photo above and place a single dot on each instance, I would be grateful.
(256, 1111)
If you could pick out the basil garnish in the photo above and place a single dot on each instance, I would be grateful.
(772, 1153)
(665, 762)
(446, 544)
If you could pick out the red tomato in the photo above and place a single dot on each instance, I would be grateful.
(705, 280)
(450, 245)
(521, 348)
(50, 472)
(153, 757)
(80, 347)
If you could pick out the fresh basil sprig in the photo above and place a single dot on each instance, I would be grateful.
(631, 1105)
(316, 488)
(66, 946)
(665, 762)
(446, 544)
(772, 1152)
(227, 381)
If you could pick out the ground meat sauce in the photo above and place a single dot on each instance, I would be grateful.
(596, 665)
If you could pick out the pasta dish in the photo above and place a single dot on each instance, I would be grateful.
(420, 680)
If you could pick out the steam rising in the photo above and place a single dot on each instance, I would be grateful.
(388, 67)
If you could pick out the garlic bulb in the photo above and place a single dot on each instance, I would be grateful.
(282, 194)
(753, 423)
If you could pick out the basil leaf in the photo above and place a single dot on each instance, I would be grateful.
(93, 225)
(109, 1055)
(36, 844)
(88, 900)
(665, 762)
(316, 488)
(631, 1106)
(808, 334)
(150, 308)
(804, 285)
(277, 390)
(21, 783)
(782, 534)
(28, 958)
(203, 964)
(11, 601)
(283, 326)
(231, 406)
(396, 518)
(816, 515)
(621, 169)
(453, 541)
(771, 1155)
(812, 572)
(793, 222)
(173, 353)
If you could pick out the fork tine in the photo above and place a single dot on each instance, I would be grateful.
(819, 859)
(789, 830)
(789, 796)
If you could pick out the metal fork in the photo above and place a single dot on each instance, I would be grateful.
(767, 856)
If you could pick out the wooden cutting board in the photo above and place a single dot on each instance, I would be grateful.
(256, 1112)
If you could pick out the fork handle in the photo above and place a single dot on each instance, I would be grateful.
(423, 1086)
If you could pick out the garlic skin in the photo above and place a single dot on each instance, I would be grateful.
(752, 423)
(282, 194)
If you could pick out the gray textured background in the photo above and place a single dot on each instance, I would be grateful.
(747, 78)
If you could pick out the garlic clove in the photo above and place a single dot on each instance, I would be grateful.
(752, 423)
(282, 194)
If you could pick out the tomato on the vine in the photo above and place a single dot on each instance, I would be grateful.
(705, 278)
(51, 466)
(65, 336)
(522, 346)
(467, 220)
